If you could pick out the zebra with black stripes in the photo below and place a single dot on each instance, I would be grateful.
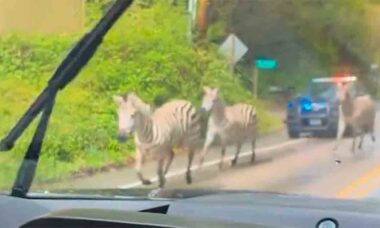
(177, 123)
(232, 125)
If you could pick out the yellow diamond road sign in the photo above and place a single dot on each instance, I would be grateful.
(233, 49)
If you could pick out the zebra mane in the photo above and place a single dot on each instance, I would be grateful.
(138, 103)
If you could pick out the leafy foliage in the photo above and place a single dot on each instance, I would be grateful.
(332, 25)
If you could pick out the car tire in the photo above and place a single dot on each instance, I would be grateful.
(330, 133)
(293, 134)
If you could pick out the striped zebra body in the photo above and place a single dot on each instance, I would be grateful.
(358, 112)
(233, 125)
(174, 124)
(239, 124)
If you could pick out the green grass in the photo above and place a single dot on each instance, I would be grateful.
(147, 51)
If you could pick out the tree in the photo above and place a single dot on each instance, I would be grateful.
(202, 23)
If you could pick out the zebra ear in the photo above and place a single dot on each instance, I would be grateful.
(118, 99)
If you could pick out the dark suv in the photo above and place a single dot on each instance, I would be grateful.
(316, 110)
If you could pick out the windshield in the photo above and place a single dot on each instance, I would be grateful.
(186, 94)
(323, 90)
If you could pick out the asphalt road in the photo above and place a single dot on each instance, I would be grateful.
(302, 166)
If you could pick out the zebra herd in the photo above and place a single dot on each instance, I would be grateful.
(179, 124)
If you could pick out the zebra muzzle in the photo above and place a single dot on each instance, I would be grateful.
(122, 137)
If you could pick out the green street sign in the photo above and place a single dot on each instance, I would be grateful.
(266, 63)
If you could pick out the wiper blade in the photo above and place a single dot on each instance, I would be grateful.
(77, 58)
(28, 166)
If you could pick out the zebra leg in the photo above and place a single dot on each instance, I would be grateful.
(169, 162)
(160, 172)
(361, 141)
(373, 137)
(341, 128)
(223, 153)
(190, 161)
(208, 142)
(238, 148)
(354, 142)
(139, 162)
(253, 144)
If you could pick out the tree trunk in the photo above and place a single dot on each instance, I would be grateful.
(202, 20)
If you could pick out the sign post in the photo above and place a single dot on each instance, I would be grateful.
(232, 54)
(255, 81)
(261, 63)
(233, 49)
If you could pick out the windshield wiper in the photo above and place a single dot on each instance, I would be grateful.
(76, 59)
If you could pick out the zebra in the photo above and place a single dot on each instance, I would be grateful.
(174, 124)
(232, 125)
(358, 112)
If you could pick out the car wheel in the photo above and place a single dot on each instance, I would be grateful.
(330, 133)
(293, 134)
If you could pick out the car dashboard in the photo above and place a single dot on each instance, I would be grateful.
(213, 210)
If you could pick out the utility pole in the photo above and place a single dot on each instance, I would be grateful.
(192, 10)
(202, 19)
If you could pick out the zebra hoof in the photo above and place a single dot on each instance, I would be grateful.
(189, 180)
(146, 182)
(161, 183)
(253, 159)
(234, 162)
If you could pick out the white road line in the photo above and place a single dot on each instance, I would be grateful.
(215, 162)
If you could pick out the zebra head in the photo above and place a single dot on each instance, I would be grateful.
(126, 117)
(342, 92)
(210, 97)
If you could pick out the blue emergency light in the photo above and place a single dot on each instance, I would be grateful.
(306, 104)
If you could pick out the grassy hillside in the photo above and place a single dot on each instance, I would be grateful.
(147, 51)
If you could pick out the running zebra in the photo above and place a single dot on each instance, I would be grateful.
(358, 112)
(232, 125)
(174, 124)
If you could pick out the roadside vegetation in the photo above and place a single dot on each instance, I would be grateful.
(340, 32)
(312, 38)
(148, 51)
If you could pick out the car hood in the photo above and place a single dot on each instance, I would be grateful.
(278, 210)
(255, 208)
(233, 197)
(261, 199)
(315, 99)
